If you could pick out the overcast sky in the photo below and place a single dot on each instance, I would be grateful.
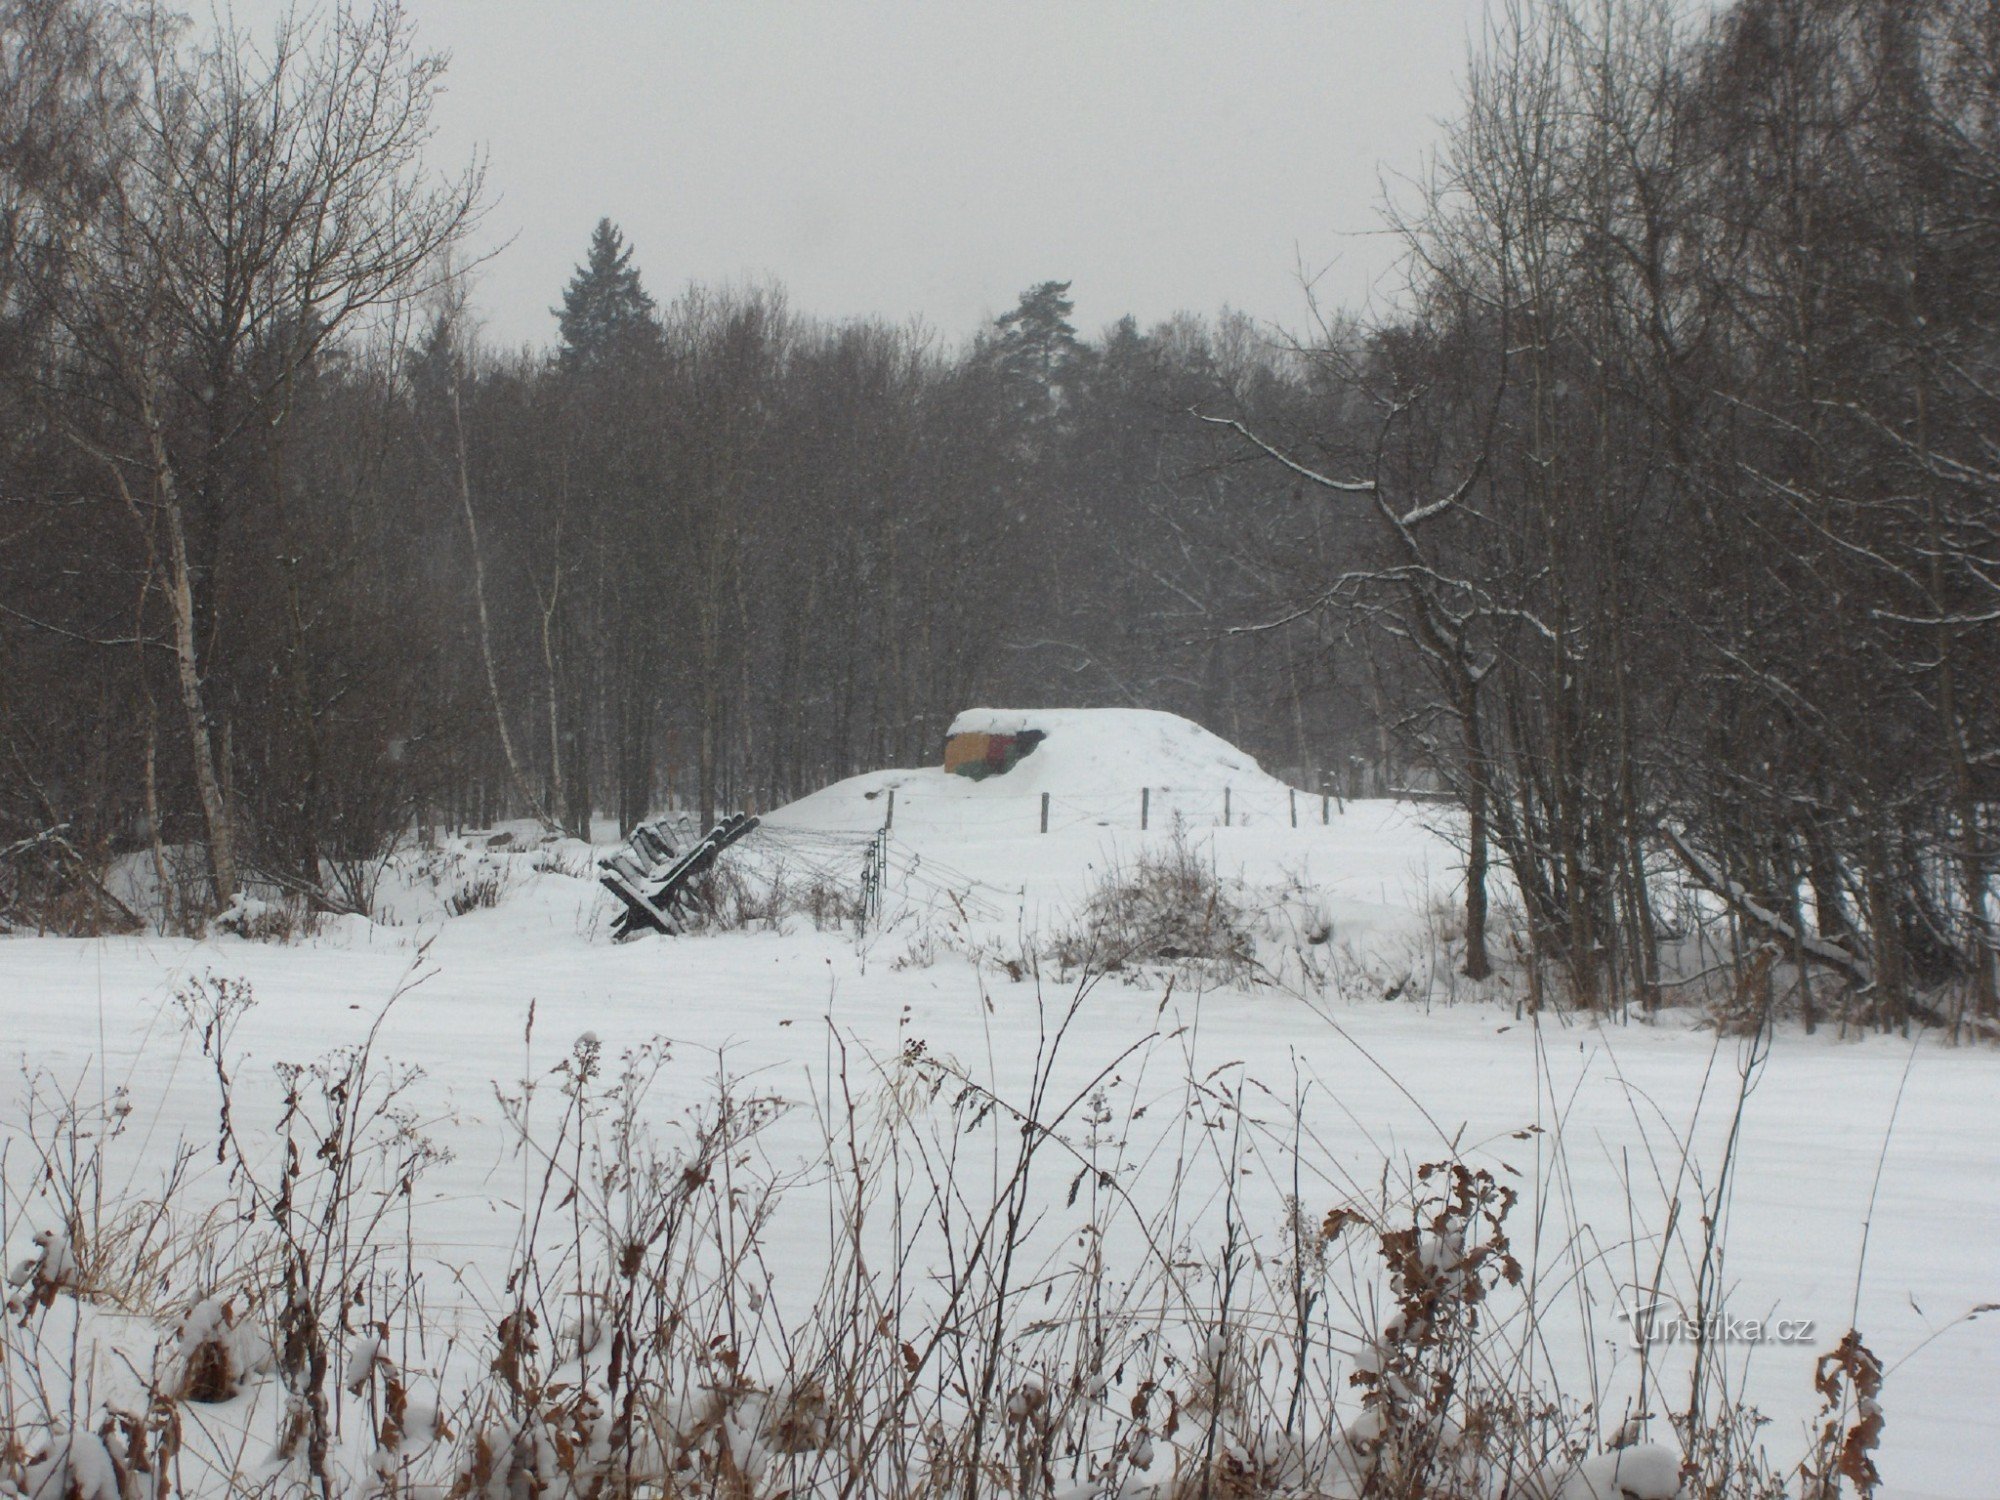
(933, 159)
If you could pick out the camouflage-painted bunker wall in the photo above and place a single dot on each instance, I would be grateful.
(979, 754)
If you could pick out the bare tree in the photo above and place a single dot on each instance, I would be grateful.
(221, 218)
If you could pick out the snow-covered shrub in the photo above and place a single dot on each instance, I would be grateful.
(47, 885)
(125, 1448)
(67, 1232)
(480, 892)
(74, 1464)
(577, 862)
(1296, 916)
(462, 880)
(922, 949)
(279, 919)
(1167, 908)
(36, 1278)
(1432, 1415)
(321, 1257)
(1645, 1471)
(213, 1349)
(737, 894)
(1294, 930)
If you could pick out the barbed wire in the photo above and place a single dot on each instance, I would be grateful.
(1125, 811)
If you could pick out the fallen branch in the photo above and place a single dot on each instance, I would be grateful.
(50, 853)
(1762, 917)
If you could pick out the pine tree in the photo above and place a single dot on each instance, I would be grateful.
(604, 308)
(1035, 350)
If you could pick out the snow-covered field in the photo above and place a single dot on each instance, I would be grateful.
(1600, 1126)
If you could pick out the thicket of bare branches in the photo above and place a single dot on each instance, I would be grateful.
(1679, 475)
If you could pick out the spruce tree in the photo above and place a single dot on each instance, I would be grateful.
(604, 308)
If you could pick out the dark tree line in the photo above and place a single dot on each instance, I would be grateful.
(1657, 524)
(292, 565)
(732, 554)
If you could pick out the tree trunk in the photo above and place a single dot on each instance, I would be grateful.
(479, 598)
(171, 920)
(180, 600)
(1478, 964)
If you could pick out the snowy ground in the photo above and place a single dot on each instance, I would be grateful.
(970, 872)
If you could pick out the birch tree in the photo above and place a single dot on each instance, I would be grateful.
(222, 215)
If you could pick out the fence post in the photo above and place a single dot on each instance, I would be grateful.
(1225, 807)
(1325, 807)
(1045, 812)
(1292, 794)
(872, 866)
(890, 820)
(1145, 806)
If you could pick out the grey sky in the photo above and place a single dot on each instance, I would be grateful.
(935, 158)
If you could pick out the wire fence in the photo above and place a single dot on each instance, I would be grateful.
(877, 859)
(1144, 808)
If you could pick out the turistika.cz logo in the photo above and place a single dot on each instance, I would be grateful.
(1662, 1322)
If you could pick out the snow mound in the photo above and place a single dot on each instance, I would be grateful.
(1647, 1472)
(1087, 756)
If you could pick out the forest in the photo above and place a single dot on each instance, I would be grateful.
(1653, 522)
